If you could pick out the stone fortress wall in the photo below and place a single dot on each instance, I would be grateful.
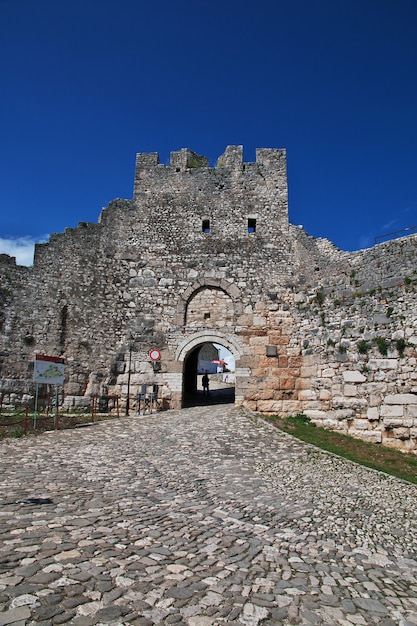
(205, 254)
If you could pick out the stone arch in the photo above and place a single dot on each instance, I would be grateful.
(229, 289)
(208, 336)
(209, 307)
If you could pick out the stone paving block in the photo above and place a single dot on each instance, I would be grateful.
(18, 614)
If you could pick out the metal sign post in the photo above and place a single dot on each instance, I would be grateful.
(155, 357)
(56, 408)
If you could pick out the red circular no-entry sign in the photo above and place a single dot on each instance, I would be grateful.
(154, 355)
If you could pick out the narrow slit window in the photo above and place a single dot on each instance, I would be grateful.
(206, 226)
(251, 225)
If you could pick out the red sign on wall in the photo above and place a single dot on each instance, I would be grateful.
(154, 355)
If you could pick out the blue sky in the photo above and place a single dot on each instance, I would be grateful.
(85, 84)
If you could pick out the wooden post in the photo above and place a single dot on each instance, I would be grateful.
(128, 381)
(48, 400)
(36, 406)
(25, 423)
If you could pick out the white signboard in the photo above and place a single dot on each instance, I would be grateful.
(48, 370)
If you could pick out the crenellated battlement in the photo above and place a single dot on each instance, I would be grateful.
(186, 159)
(246, 187)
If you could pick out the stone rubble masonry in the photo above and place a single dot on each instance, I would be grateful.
(207, 254)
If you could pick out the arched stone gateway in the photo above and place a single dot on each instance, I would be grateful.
(207, 255)
(187, 354)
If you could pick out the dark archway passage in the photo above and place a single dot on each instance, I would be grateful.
(219, 393)
(190, 373)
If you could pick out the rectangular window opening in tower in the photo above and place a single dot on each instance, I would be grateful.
(205, 226)
(251, 225)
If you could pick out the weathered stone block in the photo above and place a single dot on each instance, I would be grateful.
(308, 372)
(259, 341)
(330, 423)
(269, 406)
(401, 398)
(353, 376)
(371, 435)
(291, 407)
(310, 405)
(411, 411)
(260, 372)
(402, 433)
(383, 364)
(350, 390)
(325, 394)
(374, 400)
(274, 383)
(342, 414)
(396, 422)
(73, 389)
(344, 402)
(283, 340)
(283, 361)
(315, 414)
(393, 410)
(307, 394)
(265, 395)
(328, 373)
(287, 383)
(373, 413)
(302, 383)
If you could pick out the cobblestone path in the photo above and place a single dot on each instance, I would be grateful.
(200, 517)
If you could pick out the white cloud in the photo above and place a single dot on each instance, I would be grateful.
(388, 225)
(21, 247)
(365, 241)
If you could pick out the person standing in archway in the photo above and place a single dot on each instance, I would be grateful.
(205, 383)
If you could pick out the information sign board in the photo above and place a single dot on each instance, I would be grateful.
(48, 370)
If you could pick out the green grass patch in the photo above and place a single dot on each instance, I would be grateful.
(372, 455)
